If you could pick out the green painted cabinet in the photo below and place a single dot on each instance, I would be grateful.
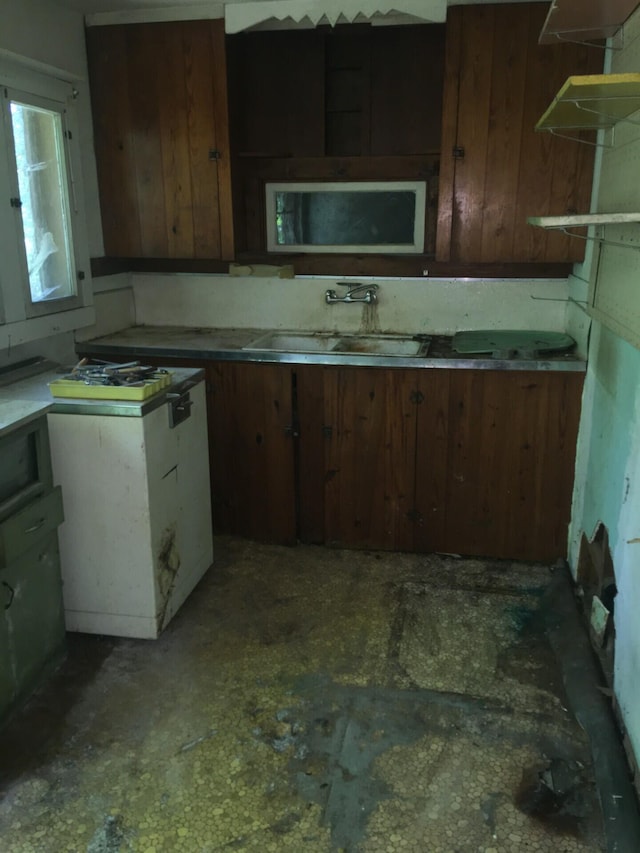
(32, 630)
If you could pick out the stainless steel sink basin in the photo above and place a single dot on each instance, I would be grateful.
(324, 342)
(381, 345)
(294, 342)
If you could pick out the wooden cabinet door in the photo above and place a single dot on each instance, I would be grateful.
(366, 441)
(251, 450)
(159, 98)
(495, 170)
(511, 456)
(277, 91)
(432, 453)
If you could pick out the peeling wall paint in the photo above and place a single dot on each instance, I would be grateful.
(607, 484)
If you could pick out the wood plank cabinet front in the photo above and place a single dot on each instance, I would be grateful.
(251, 433)
(473, 462)
(357, 456)
(159, 97)
(495, 171)
(501, 479)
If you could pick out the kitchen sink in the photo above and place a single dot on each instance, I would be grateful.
(327, 343)
(294, 342)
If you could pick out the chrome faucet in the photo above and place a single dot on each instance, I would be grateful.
(356, 292)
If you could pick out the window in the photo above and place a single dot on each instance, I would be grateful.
(42, 237)
(43, 200)
(362, 216)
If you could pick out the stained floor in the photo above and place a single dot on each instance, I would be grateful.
(310, 699)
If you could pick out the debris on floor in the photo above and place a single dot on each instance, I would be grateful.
(308, 699)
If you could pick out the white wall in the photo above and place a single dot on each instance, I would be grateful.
(50, 36)
(607, 482)
(404, 305)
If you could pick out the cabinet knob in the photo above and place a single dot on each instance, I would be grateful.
(214, 154)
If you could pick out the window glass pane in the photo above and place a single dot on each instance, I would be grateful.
(42, 180)
(345, 218)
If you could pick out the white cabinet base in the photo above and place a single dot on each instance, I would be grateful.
(137, 535)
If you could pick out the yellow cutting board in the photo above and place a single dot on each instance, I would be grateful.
(78, 390)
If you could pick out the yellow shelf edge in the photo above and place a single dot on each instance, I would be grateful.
(583, 219)
(605, 99)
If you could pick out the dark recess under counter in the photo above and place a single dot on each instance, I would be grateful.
(458, 460)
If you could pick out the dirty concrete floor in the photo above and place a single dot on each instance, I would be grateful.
(309, 699)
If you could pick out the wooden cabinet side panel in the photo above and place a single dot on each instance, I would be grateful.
(511, 462)
(114, 140)
(370, 458)
(251, 451)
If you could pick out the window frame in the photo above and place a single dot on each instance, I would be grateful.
(20, 316)
(417, 186)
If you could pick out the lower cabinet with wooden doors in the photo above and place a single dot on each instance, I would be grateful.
(473, 462)
(253, 450)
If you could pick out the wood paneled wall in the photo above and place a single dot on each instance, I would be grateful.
(159, 96)
(498, 82)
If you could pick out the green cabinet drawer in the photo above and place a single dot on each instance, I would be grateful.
(26, 528)
(32, 632)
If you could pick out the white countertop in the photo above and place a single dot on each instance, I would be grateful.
(15, 413)
(33, 391)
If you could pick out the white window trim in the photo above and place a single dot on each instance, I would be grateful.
(21, 320)
(417, 187)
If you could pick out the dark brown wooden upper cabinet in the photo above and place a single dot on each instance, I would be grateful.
(407, 74)
(276, 93)
(495, 170)
(159, 99)
(347, 91)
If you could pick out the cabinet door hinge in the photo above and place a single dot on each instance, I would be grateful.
(214, 154)
(458, 152)
(291, 431)
(15, 202)
(416, 397)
